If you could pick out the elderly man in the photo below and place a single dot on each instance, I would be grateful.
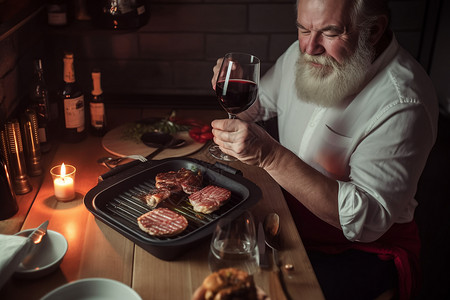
(357, 118)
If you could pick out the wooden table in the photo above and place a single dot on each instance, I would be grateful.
(96, 250)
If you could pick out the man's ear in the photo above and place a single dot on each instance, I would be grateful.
(378, 29)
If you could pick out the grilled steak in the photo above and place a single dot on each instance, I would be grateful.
(166, 178)
(162, 222)
(172, 184)
(209, 199)
(192, 183)
(163, 192)
(157, 196)
(188, 180)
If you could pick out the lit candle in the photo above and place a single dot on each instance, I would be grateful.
(63, 182)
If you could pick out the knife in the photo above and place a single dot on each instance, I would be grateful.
(38, 234)
(36, 237)
(129, 165)
(263, 260)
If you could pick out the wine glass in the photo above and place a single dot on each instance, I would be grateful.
(234, 244)
(236, 89)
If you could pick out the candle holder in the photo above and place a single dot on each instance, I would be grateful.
(64, 182)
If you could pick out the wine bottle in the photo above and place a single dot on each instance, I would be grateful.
(73, 104)
(97, 106)
(39, 102)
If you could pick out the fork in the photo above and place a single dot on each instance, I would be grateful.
(115, 161)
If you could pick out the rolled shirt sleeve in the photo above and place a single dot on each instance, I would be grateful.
(385, 168)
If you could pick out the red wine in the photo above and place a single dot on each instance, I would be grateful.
(237, 96)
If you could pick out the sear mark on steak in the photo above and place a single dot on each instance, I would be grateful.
(162, 222)
(172, 184)
(188, 180)
(209, 199)
(163, 192)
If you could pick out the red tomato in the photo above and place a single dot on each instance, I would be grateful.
(201, 134)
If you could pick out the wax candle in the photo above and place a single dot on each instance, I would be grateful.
(64, 182)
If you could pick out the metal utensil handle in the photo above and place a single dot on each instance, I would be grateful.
(278, 283)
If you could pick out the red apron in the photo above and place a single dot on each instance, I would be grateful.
(400, 243)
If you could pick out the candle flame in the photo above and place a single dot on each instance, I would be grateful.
(63, 170)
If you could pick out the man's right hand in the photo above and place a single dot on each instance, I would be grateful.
(246, 141)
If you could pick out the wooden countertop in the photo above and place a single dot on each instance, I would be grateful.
(96, 250)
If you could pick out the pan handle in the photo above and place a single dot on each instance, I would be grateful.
(118, 169)
(227, 169)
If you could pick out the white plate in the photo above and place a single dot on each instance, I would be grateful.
(47, 258)
(93, 288)
(115, 143)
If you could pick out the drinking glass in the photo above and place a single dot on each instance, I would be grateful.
(236, 89)
(234, 244)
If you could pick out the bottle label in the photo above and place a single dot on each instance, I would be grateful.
(97, 114)
(74, 113)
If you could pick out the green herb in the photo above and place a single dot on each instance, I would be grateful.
(135, 130)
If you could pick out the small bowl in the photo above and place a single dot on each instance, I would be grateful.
(46, 259)
(93, 288)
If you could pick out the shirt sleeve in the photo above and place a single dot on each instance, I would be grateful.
(385, 169)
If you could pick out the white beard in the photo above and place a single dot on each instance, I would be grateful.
(331, 84)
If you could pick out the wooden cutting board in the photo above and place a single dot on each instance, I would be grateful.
(117, 144)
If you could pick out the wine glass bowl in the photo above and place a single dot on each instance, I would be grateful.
(234, 244)
(236, 88)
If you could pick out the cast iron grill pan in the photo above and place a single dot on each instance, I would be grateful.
(118, 202)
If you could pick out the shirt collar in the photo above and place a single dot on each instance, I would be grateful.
(384, 59)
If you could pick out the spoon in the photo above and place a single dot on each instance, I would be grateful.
(157, 139)
(272, 233)
(161, 141)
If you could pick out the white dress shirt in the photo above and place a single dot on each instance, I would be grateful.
(375, 147)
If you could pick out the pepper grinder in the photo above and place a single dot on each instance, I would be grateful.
(8, 201)
(20, 180)
(31, 141)
(5, 149)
